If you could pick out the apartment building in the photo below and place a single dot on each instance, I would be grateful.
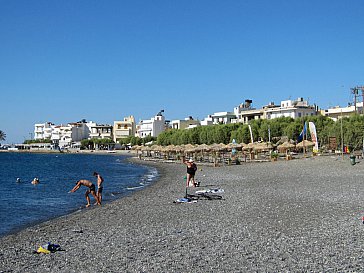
(100, 131)
(244, 112)
(43, 130)
(290, 108)
(124, 128)
(219, 118)
(337, 112)
(186, 123)
(151, 127)
(66, 136)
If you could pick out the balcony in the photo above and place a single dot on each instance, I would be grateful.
(122, 133)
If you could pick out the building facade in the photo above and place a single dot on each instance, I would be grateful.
(123, 129)
(338, 112)
(43, 130)
(100, 131)
(187, 123)
(67, 136)
(151, 127)
(290, 108)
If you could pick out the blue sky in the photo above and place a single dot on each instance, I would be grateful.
(63, 61)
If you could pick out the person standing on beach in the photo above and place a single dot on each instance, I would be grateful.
(91, 189)
(191, 171)
(100, 187)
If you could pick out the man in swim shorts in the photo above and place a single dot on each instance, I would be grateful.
(91, 189)
(100, 187)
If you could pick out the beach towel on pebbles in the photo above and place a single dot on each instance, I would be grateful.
(210, 191)
(184, 200)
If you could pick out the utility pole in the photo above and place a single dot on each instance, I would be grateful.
(362, 95)
(355, 92)
(342, 136)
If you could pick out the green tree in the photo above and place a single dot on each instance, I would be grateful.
(220, 134)
(43, 140)
(353, 128)
(246, 134)
(2, 135)
(263, 131)
(87, 144)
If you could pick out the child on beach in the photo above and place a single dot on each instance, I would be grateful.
(91, 189)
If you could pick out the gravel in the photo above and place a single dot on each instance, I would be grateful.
(288, 216)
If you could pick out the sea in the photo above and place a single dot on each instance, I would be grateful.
(23, 204)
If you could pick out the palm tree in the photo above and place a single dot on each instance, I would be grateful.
(2, 136)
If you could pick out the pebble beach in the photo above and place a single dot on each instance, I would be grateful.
(302, 215)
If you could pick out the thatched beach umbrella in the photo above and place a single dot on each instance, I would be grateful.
(146, 149)
(218, 147)
(188, 149)
(156, 148)
(203, 148)
(263, 146)
(136, 148)
(250, 146)
(187, 146)
(178, 149)
(236, 146)
(285, 146)
(305, 143)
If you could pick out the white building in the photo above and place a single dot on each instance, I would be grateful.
(43, 130)
(245, 112)
(290, 108)
(187, 123)
(66, 136)
(124, 128)
(151, 127)
(224, 118)
(207, 121)
(337, 112)
(219, 118)
(100, 131)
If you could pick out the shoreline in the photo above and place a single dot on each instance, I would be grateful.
(299, 215)
(149, 177)
(47, 151)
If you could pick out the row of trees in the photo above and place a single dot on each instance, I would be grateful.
(31, 141)
(132, 140)
(352, 128)
(91, 144)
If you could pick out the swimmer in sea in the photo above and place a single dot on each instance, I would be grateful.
(91, 189)
(35, 181)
